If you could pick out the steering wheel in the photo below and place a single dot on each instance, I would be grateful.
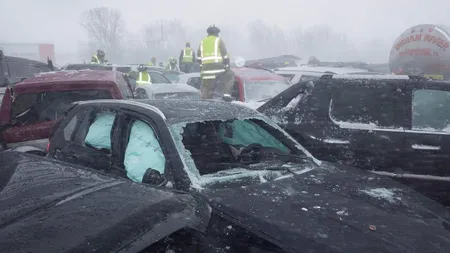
(250, 151)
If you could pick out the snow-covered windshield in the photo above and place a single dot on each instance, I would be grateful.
(260, 90)
(216, 150)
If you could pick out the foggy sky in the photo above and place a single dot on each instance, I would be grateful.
(57, 21)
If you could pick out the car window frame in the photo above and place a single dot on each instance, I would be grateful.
(59, 127)
(345, 85)
(40, 94)
(151, 73)
(124, 137)
(83, 127)
(124, 85)
(421, 85)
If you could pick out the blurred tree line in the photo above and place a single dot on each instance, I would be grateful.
(165, 38)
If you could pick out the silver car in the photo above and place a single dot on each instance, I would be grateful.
(166, 91)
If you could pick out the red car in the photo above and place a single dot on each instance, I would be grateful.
(253, 85)
(30, 108)
(257, 85)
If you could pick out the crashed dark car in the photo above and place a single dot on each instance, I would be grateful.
(262, 185)
(49, 206)
(14, 69)
(394, 125)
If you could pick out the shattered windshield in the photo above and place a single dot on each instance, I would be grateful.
(221, 150)
(260, 90)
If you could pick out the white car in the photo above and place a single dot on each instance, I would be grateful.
(304, 73)
(166, 91)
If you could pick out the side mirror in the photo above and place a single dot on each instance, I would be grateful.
(227, 97)
(153, 177)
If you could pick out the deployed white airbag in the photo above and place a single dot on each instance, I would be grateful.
(99, 135)
(143, 152)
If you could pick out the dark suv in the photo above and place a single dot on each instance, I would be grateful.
(398, 126)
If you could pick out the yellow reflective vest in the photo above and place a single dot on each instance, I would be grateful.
(143, 78)
(188, 55)
(210, 51)
(95, 60)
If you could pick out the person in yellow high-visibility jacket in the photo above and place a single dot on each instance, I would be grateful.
(217, 78)
(99, 58)
(187, 58)
(143, 76)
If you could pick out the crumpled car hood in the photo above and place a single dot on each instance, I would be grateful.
(50, 206)
(337, 209)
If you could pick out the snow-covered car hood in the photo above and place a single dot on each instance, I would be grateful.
(251, 104)
(337, 209)
(51, 206)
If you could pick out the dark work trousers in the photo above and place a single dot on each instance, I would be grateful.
(186, 67)
(221, 84)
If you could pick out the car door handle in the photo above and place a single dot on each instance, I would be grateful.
(425, 147)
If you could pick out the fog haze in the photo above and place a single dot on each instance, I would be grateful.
(58, 22)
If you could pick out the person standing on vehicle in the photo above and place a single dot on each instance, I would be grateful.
(187, 58)
(172, 65)
(216, 76)
(143, 76)
(99, 58)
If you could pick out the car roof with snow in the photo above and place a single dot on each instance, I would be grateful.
(248, 73)
(321, 70)
(168, 88)
(173, 110)
(71, 78)
(81, 66)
